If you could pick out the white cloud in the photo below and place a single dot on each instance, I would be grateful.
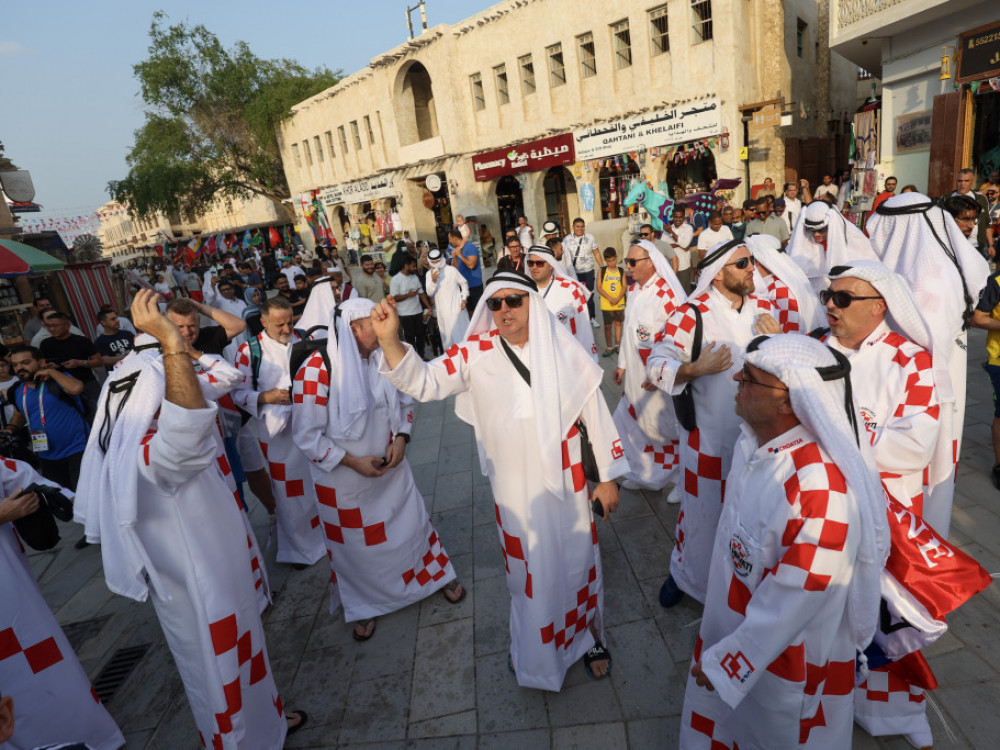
(12, 49)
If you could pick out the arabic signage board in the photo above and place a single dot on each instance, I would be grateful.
(528, 157)
(979, 54)
(661, 127)
(765, 117)
(360, 191)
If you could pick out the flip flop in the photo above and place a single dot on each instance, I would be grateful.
(364, 628)
(450, 588)
(597, 653)
(303, 718)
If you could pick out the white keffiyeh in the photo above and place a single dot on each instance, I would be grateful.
(563, 376)
(844, 241)
(715, 259)
(767, 251)
(663, 269)
(540, 252)
(818, 382)
(319, 309)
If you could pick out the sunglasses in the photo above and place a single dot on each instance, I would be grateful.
(743, 263)
(747, 378)
(514, 301)
(633, 262)
(536, 263)
(841, 299)
(647, 234)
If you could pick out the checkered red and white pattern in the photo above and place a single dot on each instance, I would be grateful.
(335, 519)
(312, 380)
(511, 547)
(786, 307)
(434, 564)
(38, 656)
(577, 619)
(680, 326)
(481, 341)
(715, 738)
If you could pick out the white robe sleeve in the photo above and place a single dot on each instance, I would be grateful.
(429, 381)
(816, 563)
(430, 284)
(604, 439)
(463, 287)
(217, 377)
(183, 446)
(673, 351)
(906, 442)
(310, 393)
(243, 394)
(16, 475)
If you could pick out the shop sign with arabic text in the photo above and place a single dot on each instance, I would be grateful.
(528, 157)
(360, 191)
(660, 127)
(979, 54)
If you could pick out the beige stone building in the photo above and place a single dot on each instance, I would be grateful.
(664, 91)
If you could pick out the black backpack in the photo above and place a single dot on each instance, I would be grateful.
(304, 348)
(684, 401)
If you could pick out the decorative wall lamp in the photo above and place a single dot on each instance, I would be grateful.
(946, 61)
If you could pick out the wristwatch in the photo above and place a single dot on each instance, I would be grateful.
(405, 436)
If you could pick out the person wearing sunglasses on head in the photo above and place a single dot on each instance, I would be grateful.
(565, 298)
(875, 323)
(645, 415)
(730, 315)
(526, 388)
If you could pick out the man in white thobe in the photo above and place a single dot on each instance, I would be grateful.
(530, 447)
(822, 239)
(645, 415)
(264, 393)
(449, 291)
(923, 244)
(354, 427)
(565, 298)
(779, 278)
(54, 701)
(153, 493)
(730, 315)
(793, 592)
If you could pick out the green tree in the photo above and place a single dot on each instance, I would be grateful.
(212, 116)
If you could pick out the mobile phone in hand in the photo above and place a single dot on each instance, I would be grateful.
(597, 508)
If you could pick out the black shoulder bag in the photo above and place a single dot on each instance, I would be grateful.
(684, 401)
(587, 457)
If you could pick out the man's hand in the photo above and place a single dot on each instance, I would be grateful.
(647, 386)
(434, 275)
(766, 324)
(619, 375)
(18, 505)
(699, 676)
(146, 316)
(72, 364)
(366, 466)
(714, 359)
(396, 452)
(607, 493)
(278, 396)
(385, 318)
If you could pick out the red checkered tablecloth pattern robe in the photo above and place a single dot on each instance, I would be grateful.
(549, 542)
(384, 552)
(706, 452)
(774, 640)
(645, 419)
(567, 301)
(54, 701)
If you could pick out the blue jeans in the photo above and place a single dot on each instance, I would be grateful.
(587, 279)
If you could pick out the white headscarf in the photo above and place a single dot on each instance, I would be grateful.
(844, 241)
(663, 269)
(320, 307)
(563, 377)
(541, 252)
(922, 243)
(818, 382)
(436, 259)
(767, 250)
(716, 257)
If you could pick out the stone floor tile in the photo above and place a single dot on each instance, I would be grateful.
(144, 698)
(423, 450)
(93, 595)
(623, 598)
(465, 742)
(486, 549)
(589, 737)
(535, 739)
(454, 725)
(454, 527)
(492, 615)
(972, 716)
(631, 504)
(454, 458)
(313, 736)
(647, 680)
(456, 432)
(436, 609)
(647, 734)
(304, 592)
(453, 491)
(502, 704)
(425, 477)
(590, 702)
(390, 651)
(483, 507)
(321, 685)
(961, 667)
(64, 583)
(607, 538)
(376, 710)
(444, 671)
(177, 730)
(647, 547)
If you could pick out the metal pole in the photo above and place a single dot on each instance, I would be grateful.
(423, 14)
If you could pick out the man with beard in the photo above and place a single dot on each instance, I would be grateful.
(730, 316)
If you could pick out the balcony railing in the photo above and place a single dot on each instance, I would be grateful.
(852, 11)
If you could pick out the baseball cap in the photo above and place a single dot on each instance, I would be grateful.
(779, 202)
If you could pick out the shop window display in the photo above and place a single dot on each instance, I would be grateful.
(614, 182)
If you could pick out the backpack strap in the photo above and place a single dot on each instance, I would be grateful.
(255, 359)
(819, 333)
(698, 332)
(516, 361)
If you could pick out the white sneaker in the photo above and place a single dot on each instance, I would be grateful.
(595, 324)
(674, 496)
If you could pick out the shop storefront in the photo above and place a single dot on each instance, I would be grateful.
(979, 67)
(508, 170)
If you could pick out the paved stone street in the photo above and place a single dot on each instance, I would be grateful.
(435, 675)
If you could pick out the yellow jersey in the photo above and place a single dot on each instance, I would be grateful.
(612, 281)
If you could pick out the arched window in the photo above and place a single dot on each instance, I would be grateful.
(415, 108)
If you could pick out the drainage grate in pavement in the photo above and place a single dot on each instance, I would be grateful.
(117, 670)
(78, 633)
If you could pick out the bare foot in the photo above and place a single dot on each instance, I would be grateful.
(454, 592)
(364, 630)
(295, 720)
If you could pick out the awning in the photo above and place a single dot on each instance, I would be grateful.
(88, 288)
(18, 259)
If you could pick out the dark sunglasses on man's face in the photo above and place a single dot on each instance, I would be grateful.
(513, 301)
(633, 262)
(536, 263)
(841, 299)
(742, 263)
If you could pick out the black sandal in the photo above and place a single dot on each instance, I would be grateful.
(364, 627)
(303, 718)
(597, 653)
(450, 588)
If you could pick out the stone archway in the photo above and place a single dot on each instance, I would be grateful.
(416, 112)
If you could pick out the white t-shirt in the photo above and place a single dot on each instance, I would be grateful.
(401, 284)
(685, 233)
(465, 231)
(526, 236)
(708, 237)
(580, 251)
(793, 206)
(830, 190)
(291, 272)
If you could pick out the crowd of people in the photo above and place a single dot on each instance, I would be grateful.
(787, 378)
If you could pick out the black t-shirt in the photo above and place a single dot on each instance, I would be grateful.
(74, 347)
(297, 301)
(211, 340)
(115, 345)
